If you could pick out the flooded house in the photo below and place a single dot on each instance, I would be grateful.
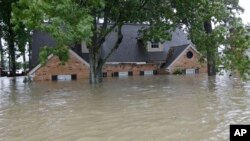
(131, 58)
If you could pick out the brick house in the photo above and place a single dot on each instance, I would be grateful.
(131, 58)
(185, 58)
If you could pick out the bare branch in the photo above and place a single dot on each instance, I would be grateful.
(105, 33)
(104, 29)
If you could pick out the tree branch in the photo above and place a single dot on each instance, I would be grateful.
(105, 33)
(104, 30)
(118, 42)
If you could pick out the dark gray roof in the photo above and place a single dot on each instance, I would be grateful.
(39, 40)
(128, 51)
(178, 38)
(174, 53)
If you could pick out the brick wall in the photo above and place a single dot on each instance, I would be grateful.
(81, 70)
(185, 63)
(110, 69)
(74, 66)
(53, 67)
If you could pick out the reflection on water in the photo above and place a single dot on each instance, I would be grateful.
(172, 108)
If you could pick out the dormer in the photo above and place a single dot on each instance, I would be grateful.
(154, 46)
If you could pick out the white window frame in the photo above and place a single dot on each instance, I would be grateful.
(84, 47)
(151, 46)
(155, 44)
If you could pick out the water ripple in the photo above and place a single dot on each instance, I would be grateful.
(190, 108)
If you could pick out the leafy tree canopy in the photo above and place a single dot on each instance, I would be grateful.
(65, 20)
(223, 17)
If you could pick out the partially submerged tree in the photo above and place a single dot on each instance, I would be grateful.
(22, 39)
(208, 23)
(158, 14)
(8, 33)
(1, 35)
(1, 49)
(234, 56)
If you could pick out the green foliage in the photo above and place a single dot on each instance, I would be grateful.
(18, 65)
(44, 53)
(25, 65)
(223, 15)
(234, 55)
(65, 20)
(7, 32)
(61, 52)
(22, 37)
(178, 72)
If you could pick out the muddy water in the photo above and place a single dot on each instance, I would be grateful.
(153, 108)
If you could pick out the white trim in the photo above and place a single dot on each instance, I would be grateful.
(116, 63)
(190, 71)
(179, 56)
(150, 49)
(64, 77)
(123, 74)
(38, 66)
(149, 72)
(195, 49)
(51, 55)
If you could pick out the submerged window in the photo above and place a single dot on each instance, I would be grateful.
(64, 77)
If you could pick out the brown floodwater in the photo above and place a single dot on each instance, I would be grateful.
(148, 108)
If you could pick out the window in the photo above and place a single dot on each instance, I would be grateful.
(54, 77)
(154, 45)
(64, 77)
(73, 77)
(189, 54)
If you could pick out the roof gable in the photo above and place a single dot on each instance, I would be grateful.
(50, 56)
(176, 52)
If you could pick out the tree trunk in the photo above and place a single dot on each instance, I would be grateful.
(95, 59)
(24, 63)
(95, 76)
(1, 53)
(30, 50)
(12, 54)
(1, 49)
(211, 51)
(95, 66)
(211, 63)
